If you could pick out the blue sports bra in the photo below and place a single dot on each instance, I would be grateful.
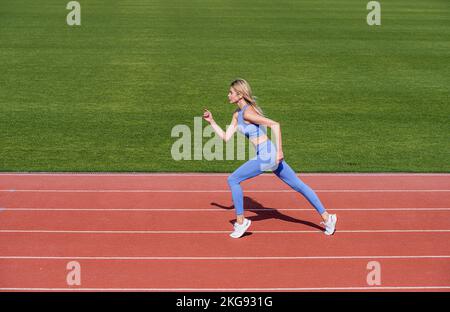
(249, 130)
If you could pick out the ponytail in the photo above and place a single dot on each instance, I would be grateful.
(252, 102)
(243, 87)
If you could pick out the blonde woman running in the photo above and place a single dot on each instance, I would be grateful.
(248, 119)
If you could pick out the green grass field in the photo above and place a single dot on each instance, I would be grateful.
(104, 96)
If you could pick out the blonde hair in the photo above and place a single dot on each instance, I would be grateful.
(243, 87)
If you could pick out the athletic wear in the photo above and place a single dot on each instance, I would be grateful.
(330, 225)
(239, 229)
(249, 130)
(265, 160)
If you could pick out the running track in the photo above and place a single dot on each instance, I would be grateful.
(169, 232)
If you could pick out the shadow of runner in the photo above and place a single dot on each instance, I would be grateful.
(263, 213)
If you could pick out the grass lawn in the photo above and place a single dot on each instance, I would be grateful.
(104, 96)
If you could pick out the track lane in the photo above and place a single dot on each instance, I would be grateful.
(217, 200)
(221, 219)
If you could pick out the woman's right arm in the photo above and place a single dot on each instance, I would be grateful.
(223, 135)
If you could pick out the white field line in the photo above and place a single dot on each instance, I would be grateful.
(218, 191)
(168, 174)
(143, 258)
(218, 209)
(213, 232)
(370, 288)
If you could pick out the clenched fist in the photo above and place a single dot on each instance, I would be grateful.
(207, 115)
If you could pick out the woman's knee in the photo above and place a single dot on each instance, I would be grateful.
(232, 180)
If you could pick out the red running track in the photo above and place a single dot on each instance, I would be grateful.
(169, 232)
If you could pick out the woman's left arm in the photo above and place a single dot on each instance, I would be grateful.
(273, 125)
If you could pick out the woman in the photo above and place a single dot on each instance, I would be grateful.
(248, 119)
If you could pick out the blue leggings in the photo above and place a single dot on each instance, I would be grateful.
(265, 160)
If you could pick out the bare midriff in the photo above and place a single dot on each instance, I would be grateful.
(261, 139)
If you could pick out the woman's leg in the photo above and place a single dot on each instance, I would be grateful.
(285, 173)
(249, 169)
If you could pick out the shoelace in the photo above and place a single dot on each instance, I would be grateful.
(330, 219)
(236, 224)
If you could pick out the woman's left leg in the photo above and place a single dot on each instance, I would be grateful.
(249, 169)
(246, 171)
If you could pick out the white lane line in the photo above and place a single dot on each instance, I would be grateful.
(218, 191)
(212, 232)
(219, 209)
(371, 288)
(190, 174)
(221, 258)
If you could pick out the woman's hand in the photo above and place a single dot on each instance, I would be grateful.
(207, 116)
(280, 156)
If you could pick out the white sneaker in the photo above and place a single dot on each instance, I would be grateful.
(239, 229)
(330, 225)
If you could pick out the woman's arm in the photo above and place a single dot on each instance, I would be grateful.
(256, 118)
(223, 135)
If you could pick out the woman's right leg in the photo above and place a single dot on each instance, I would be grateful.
(249, 169)
(285, 173)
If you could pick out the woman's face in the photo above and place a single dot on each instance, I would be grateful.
(233, 96)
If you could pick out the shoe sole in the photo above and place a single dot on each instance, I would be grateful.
(334, 231)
